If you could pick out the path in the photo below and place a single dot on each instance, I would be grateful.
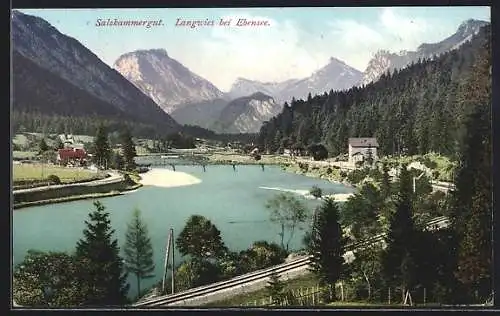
(114, 176)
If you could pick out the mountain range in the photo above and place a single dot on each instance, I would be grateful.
(56, 74)
(336, 75)
(384, 60)
(165, 80)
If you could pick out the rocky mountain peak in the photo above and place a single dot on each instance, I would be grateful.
(383, 60)
(335, 75)
(470, 26)
(260, 96)
(169, 83)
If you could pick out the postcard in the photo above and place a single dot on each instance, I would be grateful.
(251, 157)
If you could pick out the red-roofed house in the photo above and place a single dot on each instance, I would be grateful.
(73, 155)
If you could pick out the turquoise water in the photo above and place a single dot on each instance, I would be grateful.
(233, 201)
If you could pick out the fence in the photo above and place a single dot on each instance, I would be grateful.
(311, 296)
(304, 296)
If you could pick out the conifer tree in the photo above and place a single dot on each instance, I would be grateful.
(369, 157)
(138, 250)
(385, 186)
(326, 247)
(128, 150)
(275, 288)
(118, 162)
(474, 256)
(396, 258)
(43, 146)
(103, 277)
(102, 151)
(59, 143)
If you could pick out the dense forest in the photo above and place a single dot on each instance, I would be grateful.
(27, 121)
(411, 111)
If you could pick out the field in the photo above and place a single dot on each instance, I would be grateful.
(24, 154)
(40, 172)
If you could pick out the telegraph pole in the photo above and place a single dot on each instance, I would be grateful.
(173, 251)
(415, 182)
(166, 261)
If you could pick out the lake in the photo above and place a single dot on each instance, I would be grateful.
(233, 201)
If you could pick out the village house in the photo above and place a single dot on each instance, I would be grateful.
(70, 142)
(73, 156)
(359, 149)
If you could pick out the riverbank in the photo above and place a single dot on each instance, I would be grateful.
(288, 164)
(116, 184)
(76, 197)
(167, 178)
(230, 158)
(331, 174)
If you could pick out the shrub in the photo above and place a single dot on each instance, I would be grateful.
(318, 152)
(435, 174)
(304, 166)
(128, 179)
(429, 163)
(316, 191)
(356, 176)
(53, 179)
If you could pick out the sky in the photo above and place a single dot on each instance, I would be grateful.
(295, 43)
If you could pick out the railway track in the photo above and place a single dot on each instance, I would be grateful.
(256, 276)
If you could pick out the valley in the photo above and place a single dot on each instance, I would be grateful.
(137, 140)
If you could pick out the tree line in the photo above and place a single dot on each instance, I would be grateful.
(38, 122)
(411, 111)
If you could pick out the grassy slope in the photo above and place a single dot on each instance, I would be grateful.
(22, 172)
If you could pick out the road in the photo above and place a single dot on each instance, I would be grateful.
(114, 176)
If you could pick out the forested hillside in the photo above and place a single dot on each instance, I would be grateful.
(415, 110)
